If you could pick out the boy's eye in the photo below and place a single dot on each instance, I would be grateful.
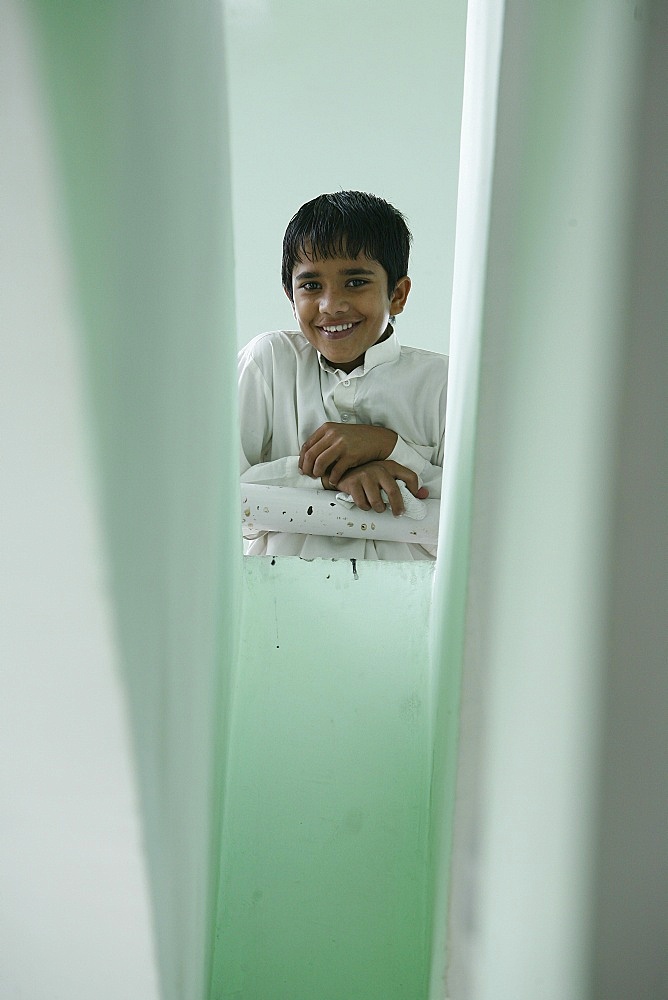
(312, 286)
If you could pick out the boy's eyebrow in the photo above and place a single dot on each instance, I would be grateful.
(347, 271)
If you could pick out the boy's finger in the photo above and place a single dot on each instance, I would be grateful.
(314, 437)
(338, 469)
(411, 480)
(359, 496)
(324, 461)
(394, 497)
(304, 464)
(375, 499)
(309, 460)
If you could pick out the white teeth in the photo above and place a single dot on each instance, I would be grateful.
(338, 329)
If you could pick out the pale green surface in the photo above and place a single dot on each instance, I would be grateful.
(324, 888)
(550, 326)
(139, 118)
(448, 629)
(75, 913)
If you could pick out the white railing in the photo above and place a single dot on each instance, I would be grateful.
(317, 512)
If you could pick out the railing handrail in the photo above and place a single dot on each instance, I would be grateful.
(317, 512)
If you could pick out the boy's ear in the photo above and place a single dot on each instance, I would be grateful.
(291, 301)
(399, 295)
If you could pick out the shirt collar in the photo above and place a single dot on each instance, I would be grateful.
(380, 354)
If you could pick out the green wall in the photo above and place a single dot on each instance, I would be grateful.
(324, 852)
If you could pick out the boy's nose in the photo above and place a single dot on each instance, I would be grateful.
(333, 302)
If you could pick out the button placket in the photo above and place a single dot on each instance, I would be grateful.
(344, 398)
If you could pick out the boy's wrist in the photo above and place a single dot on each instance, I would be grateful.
(389, 441)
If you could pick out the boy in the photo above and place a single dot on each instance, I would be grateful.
(341, 405)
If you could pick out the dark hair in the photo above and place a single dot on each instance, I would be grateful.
(345, 224)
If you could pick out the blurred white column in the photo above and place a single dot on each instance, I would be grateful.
(75, 917)
(559, 859)
(136, 149)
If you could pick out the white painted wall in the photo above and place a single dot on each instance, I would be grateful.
(560, 860)
(75, 917)
(363, 96)
(123, 438)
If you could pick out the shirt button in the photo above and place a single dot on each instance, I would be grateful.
(345, 417)
(347, 382)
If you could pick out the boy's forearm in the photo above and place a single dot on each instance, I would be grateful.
(280, 472)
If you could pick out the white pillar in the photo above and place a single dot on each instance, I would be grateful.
(137, 137)
(75, 911)
(571, 333)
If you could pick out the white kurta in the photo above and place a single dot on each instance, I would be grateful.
(287, 390)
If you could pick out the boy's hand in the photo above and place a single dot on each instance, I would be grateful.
(365, 482)
(335, 448)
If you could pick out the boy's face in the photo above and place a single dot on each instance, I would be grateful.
(342, 305)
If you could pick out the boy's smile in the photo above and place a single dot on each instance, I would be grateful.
(343, 307)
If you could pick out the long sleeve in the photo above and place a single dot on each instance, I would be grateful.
(256, 408)
(417, 458)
